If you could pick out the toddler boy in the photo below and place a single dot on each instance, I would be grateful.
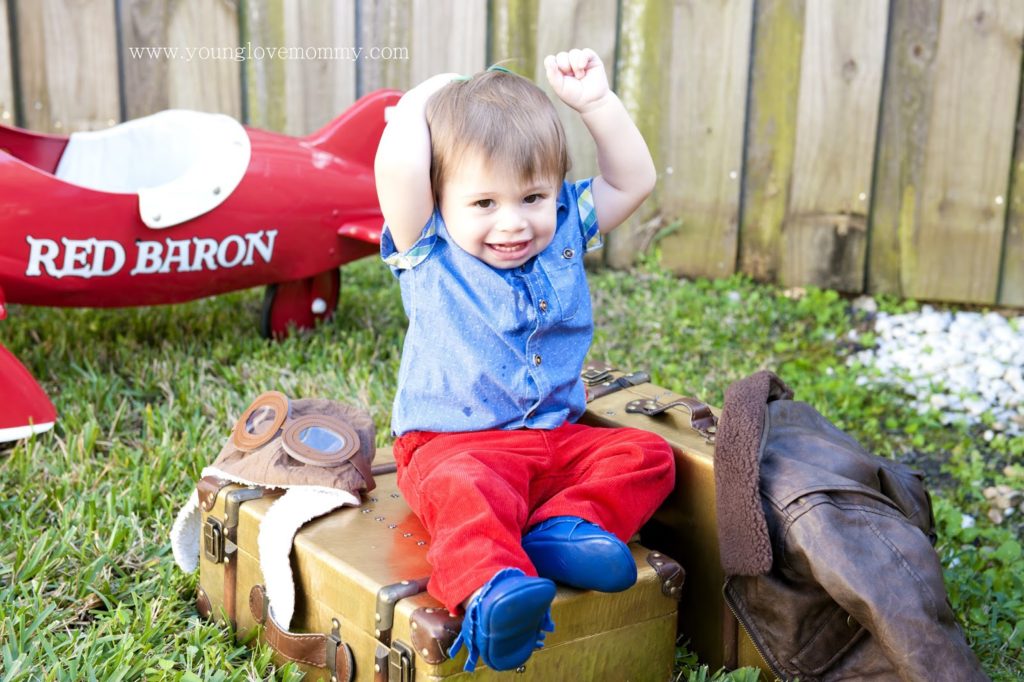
(487, 241)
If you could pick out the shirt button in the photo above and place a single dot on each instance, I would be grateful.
(568, 253)
(543, 305)
(536, 359)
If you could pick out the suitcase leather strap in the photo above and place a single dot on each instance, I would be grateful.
(595, 391)
(315, 649)
(599, 380)
(702, 420)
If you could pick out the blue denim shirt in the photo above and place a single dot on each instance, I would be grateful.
(489, 348)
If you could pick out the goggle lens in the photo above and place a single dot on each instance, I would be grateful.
(317, 439)
(260, 420)
(322, 439)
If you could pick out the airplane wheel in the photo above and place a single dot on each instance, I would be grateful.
(301, 303)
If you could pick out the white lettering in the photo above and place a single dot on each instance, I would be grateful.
(94, 257)
(177, 252)
(222, 251)
(148, 260)
(255, 243)
(76, 257)
(42, 252)
(206, 251)
(101, 246)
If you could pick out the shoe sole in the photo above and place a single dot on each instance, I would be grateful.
(508, 614)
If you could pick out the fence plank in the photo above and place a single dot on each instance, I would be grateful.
(771, 133)
(825, 231)
(266, 85)
(385, 23)
(324, 87)
(204, 75)
(6, 72)
(144, 25)
(513, 29)
(298, 96)
(68, 62)
(642, 81)
(433, 49)
(953, 251)
(708, 92)
(903, 136)
(1011, 286)
(426, 30)
(563, 25)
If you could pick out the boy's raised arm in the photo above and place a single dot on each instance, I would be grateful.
(402, 165)
(627, 170)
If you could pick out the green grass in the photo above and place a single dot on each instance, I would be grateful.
(88, 588)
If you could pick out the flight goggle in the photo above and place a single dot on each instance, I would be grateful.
(317, 440)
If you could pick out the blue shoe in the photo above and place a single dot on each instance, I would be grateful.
(578, 553)
(506, 620)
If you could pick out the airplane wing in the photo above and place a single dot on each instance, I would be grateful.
(367, 231)
(25, 408)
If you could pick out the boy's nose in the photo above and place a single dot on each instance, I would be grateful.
(511, 220)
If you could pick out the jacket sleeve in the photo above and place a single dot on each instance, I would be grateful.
(884, 572)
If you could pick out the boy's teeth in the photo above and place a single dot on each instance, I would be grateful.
(508, 247)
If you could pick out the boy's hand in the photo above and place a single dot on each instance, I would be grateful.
(418, 96)
(578, 78)
(627, 171)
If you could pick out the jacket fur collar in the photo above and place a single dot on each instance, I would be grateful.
(743, 538)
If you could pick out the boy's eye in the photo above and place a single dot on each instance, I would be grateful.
(484, 203)
(533, 198)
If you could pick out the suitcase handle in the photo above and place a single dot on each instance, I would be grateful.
(315, 649)
(702, 419)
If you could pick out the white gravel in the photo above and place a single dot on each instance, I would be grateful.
(965, 365)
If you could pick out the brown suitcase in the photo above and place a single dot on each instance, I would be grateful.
(360, 575)
(685, 525)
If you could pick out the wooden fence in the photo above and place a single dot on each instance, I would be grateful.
(864, 145)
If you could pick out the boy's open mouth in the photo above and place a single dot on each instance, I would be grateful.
(510, 249)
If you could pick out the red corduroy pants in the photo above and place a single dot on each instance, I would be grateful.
(477, 492)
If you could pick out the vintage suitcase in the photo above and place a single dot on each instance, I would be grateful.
(363, 614)
(685, 525)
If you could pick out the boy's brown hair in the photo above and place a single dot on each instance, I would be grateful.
(506, 117)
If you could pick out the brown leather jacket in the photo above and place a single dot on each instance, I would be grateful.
(830, 563)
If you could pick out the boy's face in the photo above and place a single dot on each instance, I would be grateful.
(501, 220)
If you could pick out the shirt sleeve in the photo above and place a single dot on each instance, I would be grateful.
(592, 238)
(415, 254)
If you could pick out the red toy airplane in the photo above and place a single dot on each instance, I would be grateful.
(177, 206)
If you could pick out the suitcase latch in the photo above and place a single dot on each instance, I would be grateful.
(401, 662)
(595, 373)
(213, 540)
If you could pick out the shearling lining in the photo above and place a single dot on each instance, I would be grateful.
(743, 540)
